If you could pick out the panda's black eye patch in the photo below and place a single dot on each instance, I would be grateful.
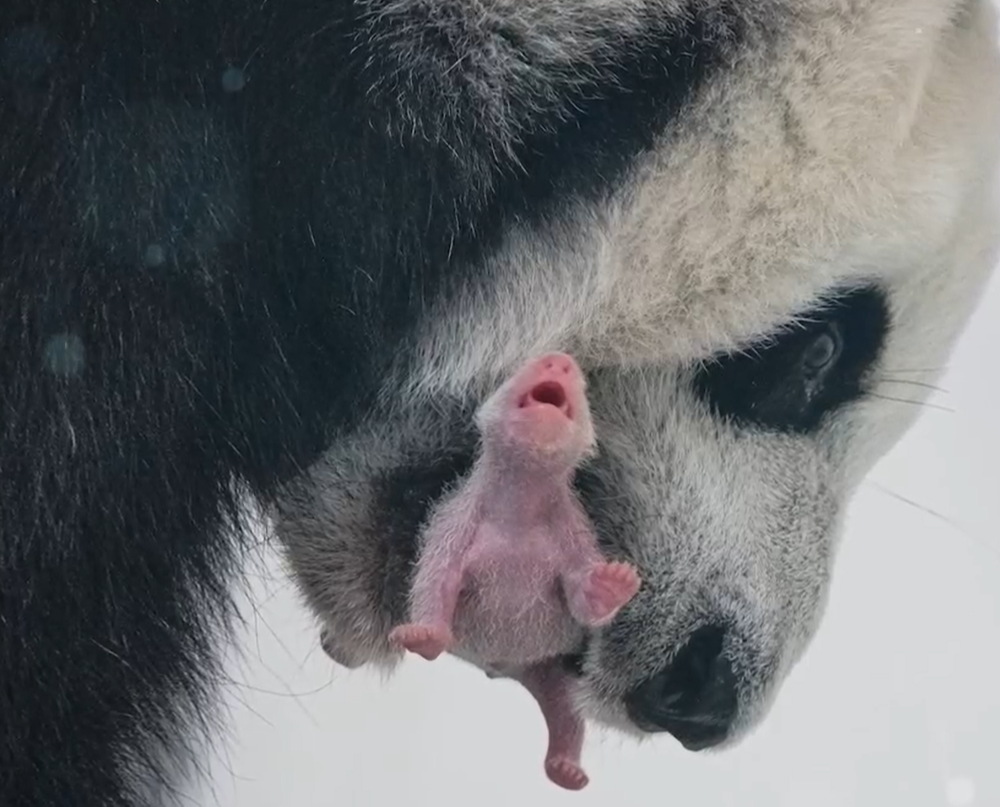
(791, 380)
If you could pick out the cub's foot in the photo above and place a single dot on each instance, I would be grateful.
(607, 588)
(566, 773)
(429, 641)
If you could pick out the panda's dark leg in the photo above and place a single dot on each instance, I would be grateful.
(121, 344)
(115, 551)
(146, 369)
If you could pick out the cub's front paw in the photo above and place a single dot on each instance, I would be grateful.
(607, 588)
(428, 641)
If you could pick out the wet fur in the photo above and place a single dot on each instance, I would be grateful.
(300, 284)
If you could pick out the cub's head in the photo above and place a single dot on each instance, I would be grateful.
(759, 304)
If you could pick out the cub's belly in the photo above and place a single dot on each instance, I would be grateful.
(514, 613)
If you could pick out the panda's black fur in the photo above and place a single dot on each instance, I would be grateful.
(219, 223)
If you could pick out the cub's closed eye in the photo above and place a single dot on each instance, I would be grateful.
(790, 381)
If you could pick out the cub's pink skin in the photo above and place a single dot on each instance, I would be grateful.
(550, 686)
(510, 574)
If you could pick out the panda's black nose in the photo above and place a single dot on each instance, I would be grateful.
(694, 699)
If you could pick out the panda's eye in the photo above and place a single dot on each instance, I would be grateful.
(791, 381)
(823, 351)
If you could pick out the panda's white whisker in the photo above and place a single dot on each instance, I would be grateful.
(912, 383)
(909, 402)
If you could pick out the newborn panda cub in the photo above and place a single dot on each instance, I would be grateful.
(509, 573)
